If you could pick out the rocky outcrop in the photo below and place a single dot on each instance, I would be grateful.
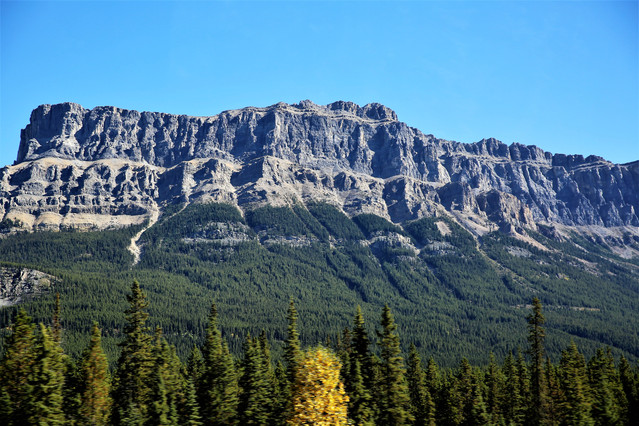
(17, 283)
(110, 166)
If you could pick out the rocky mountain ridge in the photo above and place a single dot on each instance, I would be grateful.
(109, 166)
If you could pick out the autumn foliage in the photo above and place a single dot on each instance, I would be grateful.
(318, 392)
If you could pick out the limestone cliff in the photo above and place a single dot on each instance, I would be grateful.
(109, 166)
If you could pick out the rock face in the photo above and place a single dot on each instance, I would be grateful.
(16, 283)
(109, 166)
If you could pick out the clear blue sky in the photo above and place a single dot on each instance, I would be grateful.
(559, 75)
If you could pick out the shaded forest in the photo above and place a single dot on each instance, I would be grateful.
(355, 378)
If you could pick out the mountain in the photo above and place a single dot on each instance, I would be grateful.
(335, 206)
(110, 166)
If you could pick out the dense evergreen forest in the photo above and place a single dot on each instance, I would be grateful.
(450, 292)
(354, 379)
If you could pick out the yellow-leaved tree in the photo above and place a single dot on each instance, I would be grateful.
(318, 394)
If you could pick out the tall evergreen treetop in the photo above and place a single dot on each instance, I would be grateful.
(292, 351)
(394, 399)
(538, 388)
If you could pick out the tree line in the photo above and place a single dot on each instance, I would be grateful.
(350, 380)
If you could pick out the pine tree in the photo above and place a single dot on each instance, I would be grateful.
(422, 404)
(394, 400)
(191, 411)
(48, 380)
(131, 387)
(554, 394)
(605, 389)
(359, 376)
(194, 365)
(166, 391)
(451, 409)
(495, 395)
(523, 383)
(281, 397)
(538, 391)
(433, 380)
(17, 394)
(255, 388)
(318, 395)
(513, 405)
(292, 351)
(95, 383)
(630, 384)
(219, 389)
(576, 405)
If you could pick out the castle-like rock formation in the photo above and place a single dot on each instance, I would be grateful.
(109, 166)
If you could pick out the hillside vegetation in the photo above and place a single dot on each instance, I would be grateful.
(449, 292)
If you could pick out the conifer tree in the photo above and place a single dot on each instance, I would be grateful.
(255, 388)
(166, 392)
(450, 410)
(433, 380)
(17, 394)
(56, 328)
(605, 388)
(95, 383)
(191, 410)
(194, 365)
(318, 396)
(576, 404)
(513, 406)
(131, 387)
(394, 400)
(218, 387)
(538, 391)
(359, 376)
(495, 395)
(292, 351)
(48, 380)
(630, 383)
(281, 397)
(422, 404)
(523, 383)
(554, 393)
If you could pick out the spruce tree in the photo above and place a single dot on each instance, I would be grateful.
(17, 393)
(605, 387)
(255, 388)
(292, 351)
(495, 394)
(422, 404)
(394, 399)
(629, 379)
(359, 376)
(191, 410)
(48, 380)
(538, 391)
(95, 383)
(131, 387)
(576, 403)
(433, 380)
(218, 393)
(513, 405)
(554, 393)
(166, 392)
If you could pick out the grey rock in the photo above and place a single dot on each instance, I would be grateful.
(17, 283)
(109, 166)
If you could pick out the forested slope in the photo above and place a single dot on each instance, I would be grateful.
(451, 293)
